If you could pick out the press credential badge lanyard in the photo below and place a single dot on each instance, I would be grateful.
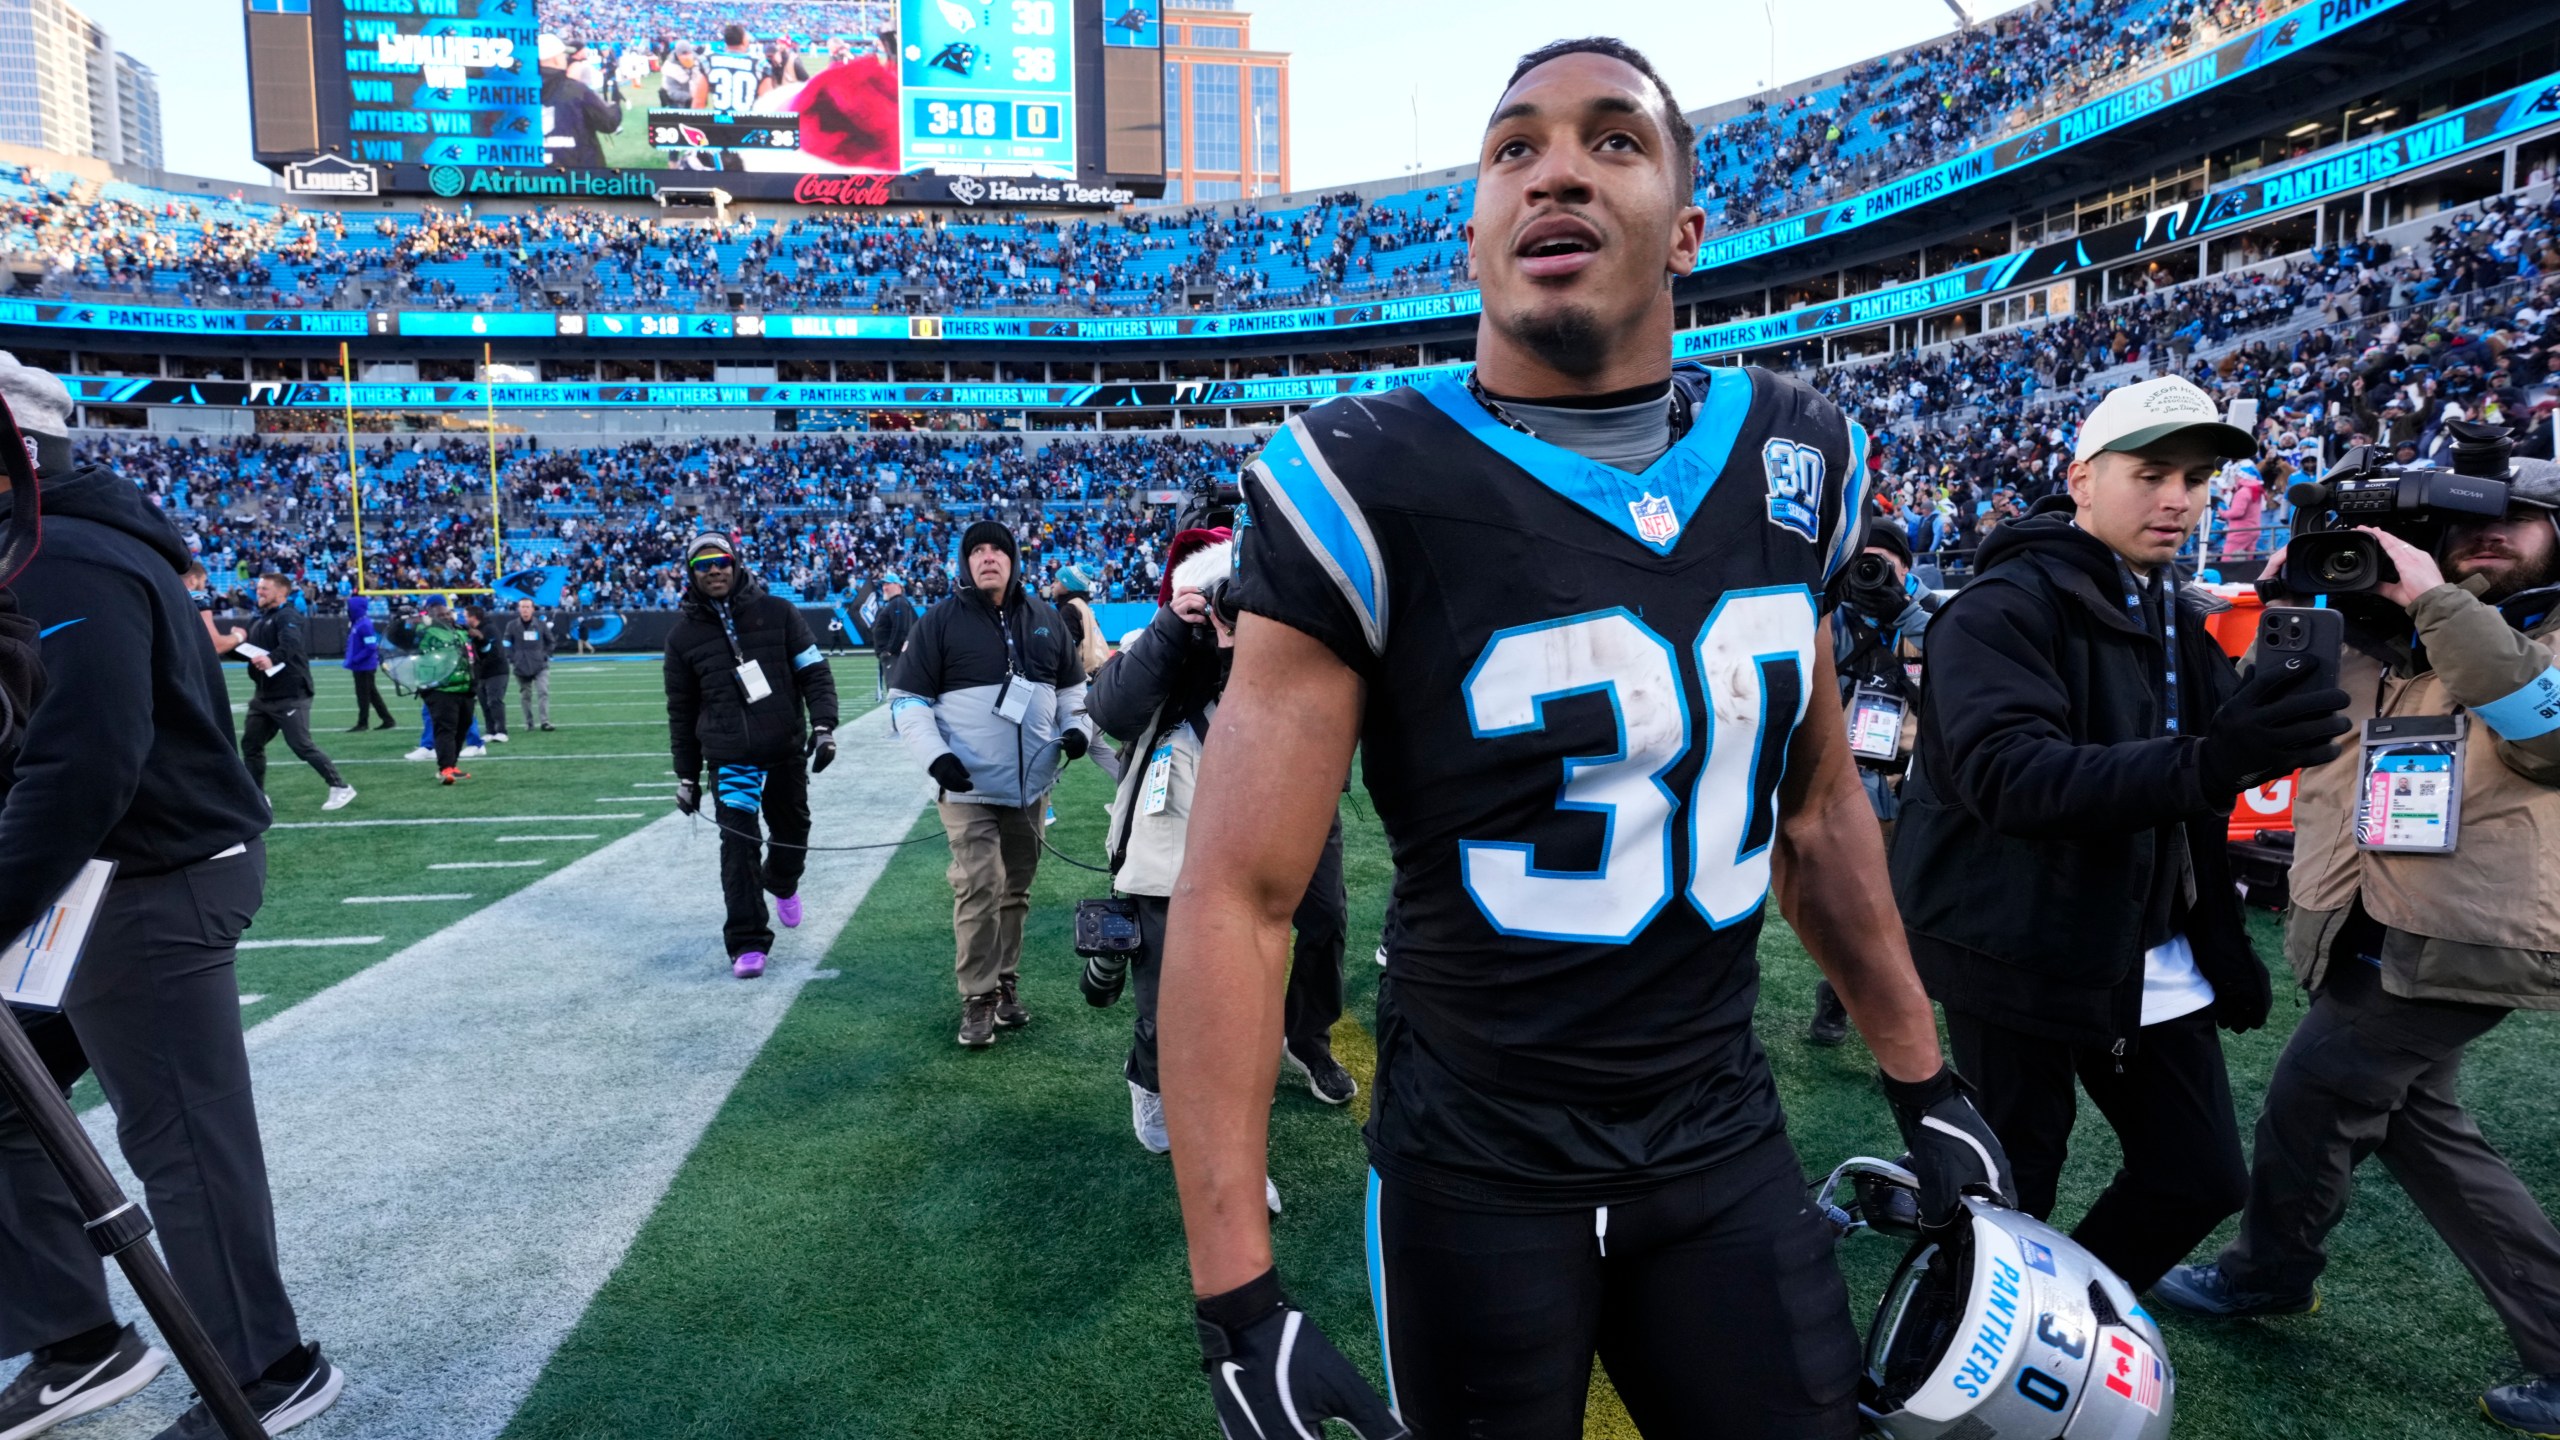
(1875, 724)
(1011, 703)
(750, 672)
(2409, 797)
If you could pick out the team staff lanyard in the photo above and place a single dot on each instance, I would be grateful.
(750, 672)
(1011, 704)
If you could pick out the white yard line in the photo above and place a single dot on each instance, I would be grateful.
(403, 899)
(248, 1000)
(330, 942)
(487, 864)
(445, 820)
(515, 1124)
(533, 839)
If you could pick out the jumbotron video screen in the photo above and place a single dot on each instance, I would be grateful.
(853, 87)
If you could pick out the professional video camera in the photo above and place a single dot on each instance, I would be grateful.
(2330, 556)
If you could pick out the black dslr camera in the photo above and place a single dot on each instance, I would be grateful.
(2329, 556)
(1870, 587)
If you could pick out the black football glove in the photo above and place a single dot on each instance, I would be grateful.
(1952, 1147)
(822, 749)
(950, 774)
(1073, 744)
(2273, 726)
(689, 796)
(1272, 1373)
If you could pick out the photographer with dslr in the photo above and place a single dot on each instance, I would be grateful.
(2419, 921)
(1877, 630)
(2060, 859)
(1158, 698)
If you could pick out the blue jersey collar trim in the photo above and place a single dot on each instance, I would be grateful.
(1682, 475)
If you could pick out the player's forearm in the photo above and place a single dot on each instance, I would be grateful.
(1218, 1019)
(1828, 868)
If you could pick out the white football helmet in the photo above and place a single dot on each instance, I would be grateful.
(1999, 1327)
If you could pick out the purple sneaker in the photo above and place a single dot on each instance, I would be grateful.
(787, 910)
(749, 965)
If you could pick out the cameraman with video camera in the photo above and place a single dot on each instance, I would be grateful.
(2420, 917)
(1877, 631)
(1157, 698)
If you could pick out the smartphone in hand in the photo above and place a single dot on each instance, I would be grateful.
(2295, 636)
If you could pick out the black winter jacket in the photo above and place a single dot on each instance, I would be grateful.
(2036, 859)
(130, 755)
(708, 717)
(280, 633)
(890, 627)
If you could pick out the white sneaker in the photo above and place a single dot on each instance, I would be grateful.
(1146, 1116)
(498, 739)
(475, 749)
(1382, 955)
(1270, 1194)
(339, 795)
(423, 752)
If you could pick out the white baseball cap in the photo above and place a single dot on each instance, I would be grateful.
(2138, 416)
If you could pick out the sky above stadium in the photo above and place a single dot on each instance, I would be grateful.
(1373, 85)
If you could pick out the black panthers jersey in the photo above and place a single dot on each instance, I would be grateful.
(1582, 684)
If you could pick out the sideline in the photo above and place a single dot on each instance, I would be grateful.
(464, 1139)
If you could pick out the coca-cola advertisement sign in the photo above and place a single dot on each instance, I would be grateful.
(841, 190)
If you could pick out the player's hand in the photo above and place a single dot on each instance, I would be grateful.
(689, 796)
(822, 749)
(1952, 1147)
(1073, 743)
(950, 774)
(1273, 1374)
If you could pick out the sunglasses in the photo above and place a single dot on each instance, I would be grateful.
(713, 562)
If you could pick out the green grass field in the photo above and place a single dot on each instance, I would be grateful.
(884, 1236)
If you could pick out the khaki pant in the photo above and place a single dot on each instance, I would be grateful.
(995, 850)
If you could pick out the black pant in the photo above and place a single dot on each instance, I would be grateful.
(1313, 1000)
(369, 699)
(449, 712)
(2169, 1100)
(749, 870)
(2369, 1073)
(1714, 1301)
(155, 1008)
(291, 719)
(493, 702)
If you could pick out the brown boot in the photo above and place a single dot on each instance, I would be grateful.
(1009, 1012)
(978, 1021)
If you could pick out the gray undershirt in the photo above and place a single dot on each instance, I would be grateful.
(1629, 437)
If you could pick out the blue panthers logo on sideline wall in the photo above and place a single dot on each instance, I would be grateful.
(1795, 487)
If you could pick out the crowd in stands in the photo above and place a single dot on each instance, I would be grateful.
(1888, 117)
(2351, 345)
(819, 516)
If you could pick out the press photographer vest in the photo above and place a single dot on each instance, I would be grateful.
(2497, 897)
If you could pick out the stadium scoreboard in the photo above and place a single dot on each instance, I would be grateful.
(815, 101)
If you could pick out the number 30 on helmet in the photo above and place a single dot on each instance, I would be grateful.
(1998, 1327)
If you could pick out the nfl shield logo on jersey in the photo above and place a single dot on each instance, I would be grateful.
(1795, 486)
(1655, 524)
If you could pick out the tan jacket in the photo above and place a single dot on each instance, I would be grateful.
(1091, 648)
(2481, 925)
(1154, 856)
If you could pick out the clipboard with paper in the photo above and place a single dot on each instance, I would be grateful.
(35, 970)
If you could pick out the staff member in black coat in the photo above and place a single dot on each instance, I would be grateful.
(2060, 860)
(280, 666)
(129, 758)
(741, 668)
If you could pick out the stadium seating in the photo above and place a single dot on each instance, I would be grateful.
(1777, 157)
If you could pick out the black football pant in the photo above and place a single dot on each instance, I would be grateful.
(369, 699)
(1313, 1000)
(2168, 1098)
(449, 715)
(292, 720)
(2369, 1073)
(750, 798)
(155, 1009)
(1714, 1302)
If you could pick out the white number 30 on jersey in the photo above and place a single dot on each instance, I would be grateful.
(1754, 659)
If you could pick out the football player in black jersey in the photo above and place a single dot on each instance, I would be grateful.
(1567, 606)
